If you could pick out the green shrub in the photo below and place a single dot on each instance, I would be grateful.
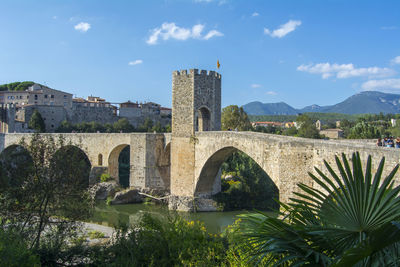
(105, 177)
(95, 234)
(15, 252)
(108, 200)
(170, 241)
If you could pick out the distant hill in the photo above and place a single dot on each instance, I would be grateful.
(16, 86)
(258, 108)
(364, 102)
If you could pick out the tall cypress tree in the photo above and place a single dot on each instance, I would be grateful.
(36, 122)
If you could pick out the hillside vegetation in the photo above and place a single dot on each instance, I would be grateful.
(16, 86)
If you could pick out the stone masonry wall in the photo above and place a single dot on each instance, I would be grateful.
(287, 160)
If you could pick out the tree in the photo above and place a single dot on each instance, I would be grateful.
(363, 130)
(36, 122)
(233, 117)
(44, 189)
(307, 127)
(123, 125)
(351, 220)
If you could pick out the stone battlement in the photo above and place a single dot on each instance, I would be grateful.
(191, 72)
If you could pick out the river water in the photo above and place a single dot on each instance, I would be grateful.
(111, 215)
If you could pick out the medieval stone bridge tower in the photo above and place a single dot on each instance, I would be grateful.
(196, 106)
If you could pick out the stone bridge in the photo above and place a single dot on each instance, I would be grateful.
(187, 162)
(149, 154)
(286, 160)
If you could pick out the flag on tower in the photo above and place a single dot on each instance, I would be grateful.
(218, 65)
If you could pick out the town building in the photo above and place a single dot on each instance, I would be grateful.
(56, 106)
(37, 95)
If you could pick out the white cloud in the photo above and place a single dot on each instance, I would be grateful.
(135, 62)
(387, 85)
(172, 31)
(255, 85)
(396, 60)
(271, 93)
(220, 2)
(343, 71)
(386, 28)
(255, 14)
(283, 29)
(82, 26)
(213, 33)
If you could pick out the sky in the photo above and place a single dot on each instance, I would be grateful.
(299, 52)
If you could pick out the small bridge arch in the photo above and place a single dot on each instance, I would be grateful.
(113, 161)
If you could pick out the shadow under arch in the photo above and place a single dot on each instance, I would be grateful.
(16, 164)
(73, 165)
(114, 163)
(164, 165)
(207, 183)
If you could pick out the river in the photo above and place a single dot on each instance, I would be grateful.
(111, 215)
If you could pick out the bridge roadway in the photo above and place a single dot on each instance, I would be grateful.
(287, 160)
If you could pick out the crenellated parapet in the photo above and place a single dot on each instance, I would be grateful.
(196, 72)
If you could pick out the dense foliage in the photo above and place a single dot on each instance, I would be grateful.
(234, 118)
(360, 126)
(170, 241)
(36, 122)
(245, 185)
(351, 221)
(122, 125)
(43, 189)
(16, 86)
(307, 127)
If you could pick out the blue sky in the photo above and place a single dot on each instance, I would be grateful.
(300, 52)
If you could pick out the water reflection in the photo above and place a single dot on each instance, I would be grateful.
(130, 213)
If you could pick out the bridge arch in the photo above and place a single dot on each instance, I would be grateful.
(207, 181)
(113, 161)
(76, 163)
(16, 162)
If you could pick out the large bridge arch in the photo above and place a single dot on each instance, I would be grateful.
(208, 179)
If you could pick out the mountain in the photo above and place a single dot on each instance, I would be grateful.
(364, 102)
(258, 108)
(312, 108)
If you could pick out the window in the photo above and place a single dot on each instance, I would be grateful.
(36, 97)
(65, 96)
(45, 96)
(27, 97)
(100, 160)
(65, 104)
(52, 126)
(51, 103)
(52, 96)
